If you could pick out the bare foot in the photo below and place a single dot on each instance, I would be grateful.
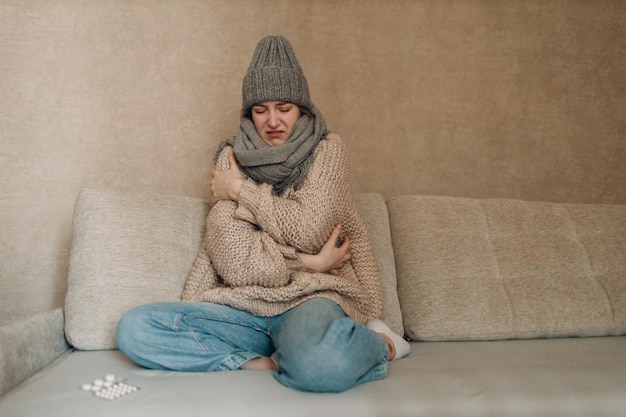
(261, 363)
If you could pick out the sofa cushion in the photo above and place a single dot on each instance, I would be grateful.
(471, 269)
(127, 249)
(130, 249)
(373, 210)
(583, 377)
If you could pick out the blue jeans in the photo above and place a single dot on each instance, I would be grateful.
(319, 348)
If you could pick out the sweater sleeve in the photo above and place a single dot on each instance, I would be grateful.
(305, 218)
(241, 253)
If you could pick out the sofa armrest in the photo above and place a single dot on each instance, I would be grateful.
(28, 345)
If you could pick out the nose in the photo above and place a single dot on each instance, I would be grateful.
(273, 120)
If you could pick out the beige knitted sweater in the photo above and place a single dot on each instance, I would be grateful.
(248, 256)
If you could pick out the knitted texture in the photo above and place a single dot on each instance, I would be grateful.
(248, 256)
(274, 74)
(282, 166)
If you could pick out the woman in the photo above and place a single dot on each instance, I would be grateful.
(286, 278)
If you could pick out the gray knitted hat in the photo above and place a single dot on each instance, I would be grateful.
(275, 75)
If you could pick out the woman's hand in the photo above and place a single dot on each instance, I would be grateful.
(226, 185)
(331, 258)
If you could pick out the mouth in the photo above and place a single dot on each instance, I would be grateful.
(275, 134)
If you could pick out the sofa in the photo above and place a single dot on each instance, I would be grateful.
(513, 308)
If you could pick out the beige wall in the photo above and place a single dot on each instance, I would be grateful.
(513, 98)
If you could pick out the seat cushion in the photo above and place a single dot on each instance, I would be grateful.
(471, 269)
(555, 377)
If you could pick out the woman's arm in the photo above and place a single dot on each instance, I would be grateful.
(244, 255)
(226, 184)
(241, 253)
(331, 258)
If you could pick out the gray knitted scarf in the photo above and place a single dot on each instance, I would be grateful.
(281, 166)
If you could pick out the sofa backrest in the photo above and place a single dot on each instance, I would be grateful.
(452, 268)
(471, 269)
(130, 249)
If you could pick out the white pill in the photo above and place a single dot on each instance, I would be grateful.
(110, 377)
(86, 387)
(98, 382)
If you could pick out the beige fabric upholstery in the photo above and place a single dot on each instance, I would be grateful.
(128, 249)
(373, 210)
(471, 269)
(136, 248)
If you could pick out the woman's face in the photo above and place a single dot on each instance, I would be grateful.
(274, 120)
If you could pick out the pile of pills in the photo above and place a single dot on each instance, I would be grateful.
(109, 387)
